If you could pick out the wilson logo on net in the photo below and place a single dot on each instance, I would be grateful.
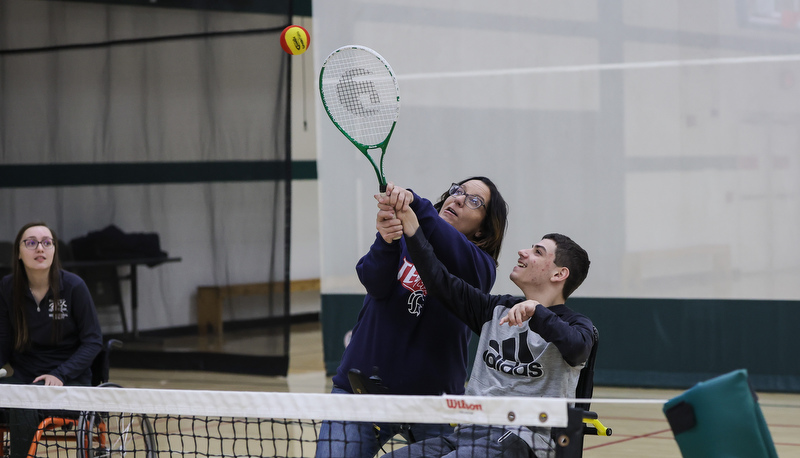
(460, 404)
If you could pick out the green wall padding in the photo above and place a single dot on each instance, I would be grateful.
(338, 315)
(659, 343)
(675, 343)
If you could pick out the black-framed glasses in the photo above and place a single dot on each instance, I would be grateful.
(471, 200)
(31, 244)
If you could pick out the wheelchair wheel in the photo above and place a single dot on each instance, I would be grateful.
(119, 435)
(106, 435)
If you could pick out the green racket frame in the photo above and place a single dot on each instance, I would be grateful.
(366, 147)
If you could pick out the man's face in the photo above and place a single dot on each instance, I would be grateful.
(536, 265)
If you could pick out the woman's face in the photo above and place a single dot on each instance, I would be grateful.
(465, 219)
(39, 257)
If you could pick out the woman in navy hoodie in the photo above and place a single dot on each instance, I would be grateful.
(49, 331)
(417, 346)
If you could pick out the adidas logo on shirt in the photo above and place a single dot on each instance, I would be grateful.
(512, 356)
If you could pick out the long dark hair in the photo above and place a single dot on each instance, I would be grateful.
(21, 285)
(493, 226)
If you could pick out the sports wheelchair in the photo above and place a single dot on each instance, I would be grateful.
(94, 434)
(568, 441)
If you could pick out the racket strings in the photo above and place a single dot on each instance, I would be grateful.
(350, 92)
(361, 95)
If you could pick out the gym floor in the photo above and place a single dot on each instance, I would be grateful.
(639, 429)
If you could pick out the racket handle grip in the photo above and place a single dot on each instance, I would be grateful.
(382, 188)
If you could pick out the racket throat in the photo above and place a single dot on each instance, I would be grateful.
(377, 163)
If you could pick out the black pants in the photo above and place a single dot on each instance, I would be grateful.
(22, 424)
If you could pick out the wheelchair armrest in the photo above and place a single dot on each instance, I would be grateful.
(592, 426)
(361, 384)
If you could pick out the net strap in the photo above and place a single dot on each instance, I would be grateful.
(538, 412)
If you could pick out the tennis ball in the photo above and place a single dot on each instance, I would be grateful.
(295, 40)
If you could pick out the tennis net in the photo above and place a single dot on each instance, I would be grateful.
(115, 421)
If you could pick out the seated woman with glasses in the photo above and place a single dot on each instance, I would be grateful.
(49, 331)
(417, 346)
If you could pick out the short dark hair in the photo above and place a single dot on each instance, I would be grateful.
(570, 255)
(493, 226)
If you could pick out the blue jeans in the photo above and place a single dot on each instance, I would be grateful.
(471, 440)
(348, 439)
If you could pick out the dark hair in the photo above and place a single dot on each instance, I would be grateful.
(493, 226)
(21, 285)
(570, 255)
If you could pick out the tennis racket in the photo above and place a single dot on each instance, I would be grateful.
(362, 98)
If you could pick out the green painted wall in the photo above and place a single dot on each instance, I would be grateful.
(664, 343)
(299, 7)
(17, 176)
(338, 314)
(675, 343)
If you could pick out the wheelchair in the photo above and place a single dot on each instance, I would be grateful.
(568, 441)
(581, 420)
(95, 434)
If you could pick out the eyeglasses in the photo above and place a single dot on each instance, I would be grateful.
(31, 244)
(471, 200)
